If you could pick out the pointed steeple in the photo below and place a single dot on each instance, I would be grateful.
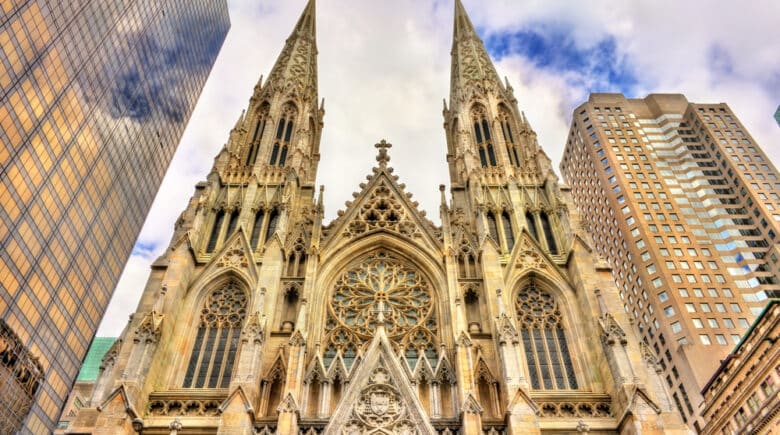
(471, 64)
(295, 71)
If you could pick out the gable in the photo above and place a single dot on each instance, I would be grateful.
(382, 206)
(380, 398)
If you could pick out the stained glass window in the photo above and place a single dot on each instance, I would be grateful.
(544, 340)
(216, 342)
(382, 282)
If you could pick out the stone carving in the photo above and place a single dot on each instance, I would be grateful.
(529, 257)
(179, 407)
(382, 210)
(380, 409)
(407, 298)
(235, 258)
(571, 407)
(612, 332)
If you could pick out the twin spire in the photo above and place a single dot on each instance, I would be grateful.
(297, 64)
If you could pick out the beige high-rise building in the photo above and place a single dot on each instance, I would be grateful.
(684, 205)
(261, 318)
(94, 98)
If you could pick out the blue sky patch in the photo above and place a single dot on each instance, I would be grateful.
(595, 68)
(144, 249)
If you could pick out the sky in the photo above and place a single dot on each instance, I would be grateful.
(384, 70)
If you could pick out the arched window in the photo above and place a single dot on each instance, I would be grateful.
(232, 222)
(483, 139)
(509, 234)
(296, 260)
(216, 342)
(509, 138)
(215, 231)
(544, 341)
(548, 234)
(257, 228)
(284, 133)
(531, 223)
(493, 226)
(273, 219)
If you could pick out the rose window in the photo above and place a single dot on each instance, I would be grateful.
(381, 282)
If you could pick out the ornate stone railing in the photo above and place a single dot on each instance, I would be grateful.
(572, 404)
(186, 403)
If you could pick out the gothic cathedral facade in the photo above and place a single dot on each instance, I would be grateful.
(261, 318)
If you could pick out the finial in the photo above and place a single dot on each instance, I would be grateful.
(382, 157)
(443, 197)
(444, 101)
(380, 311)
(320, 199)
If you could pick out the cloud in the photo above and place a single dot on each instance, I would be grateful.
(384, 69)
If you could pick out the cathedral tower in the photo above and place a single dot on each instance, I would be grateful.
(260, 319)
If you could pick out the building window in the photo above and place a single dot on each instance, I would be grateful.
(493, 226)
(548, 233)
(215, 231)
(544, 340)
(487, 155)
(257, 228)
(284, 131)
(216, 342)
(509, 234)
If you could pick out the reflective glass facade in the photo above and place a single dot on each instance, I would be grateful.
(94, 97)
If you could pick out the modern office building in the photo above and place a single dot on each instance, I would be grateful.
(742, 396)
(684, 205)
(261, 318)
(94, 97)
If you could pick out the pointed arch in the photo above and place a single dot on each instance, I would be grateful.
(257, 229)
(487, 389)
(530, 222)
(506, 120)
(509, 232)
(273, 386)
(482, 136)
(295, 266)
(216, 341)
(254, 146)
(549, 236)
(493, 226)
(216, 229)
(284, 134)
(273, 220)
(288, 310)
(546, 348)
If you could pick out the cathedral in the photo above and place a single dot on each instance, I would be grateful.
(261, 318)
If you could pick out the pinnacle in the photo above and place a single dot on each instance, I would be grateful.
(307, 23)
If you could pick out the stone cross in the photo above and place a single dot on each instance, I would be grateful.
(382, 157)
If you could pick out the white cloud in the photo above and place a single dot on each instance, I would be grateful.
(384, 69)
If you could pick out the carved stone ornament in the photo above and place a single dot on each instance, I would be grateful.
(612, 332)
(380, 409)
(148, 331)
(471, 405)
(507, 333)
(529, 257)
(235, 258)
(253, 330)
(288, 404)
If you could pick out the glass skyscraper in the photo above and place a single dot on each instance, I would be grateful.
(94, 98)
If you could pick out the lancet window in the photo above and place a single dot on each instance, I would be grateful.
(289, 307)
(382, 282)
(296, 260)
(263, 226)
(283, 138)
(216, 342)
(531, 224)
(544, 340)
(216, 229)
(509, 137)
(467, 263)
(218, 232)
(254, 146)
(502, 231)
(483, 138)
(548, 233)
(257, 228)
(471, 298)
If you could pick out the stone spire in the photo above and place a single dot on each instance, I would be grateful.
(471, 65)
(295, 71)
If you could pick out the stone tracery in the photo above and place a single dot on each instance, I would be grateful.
(405, 295)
